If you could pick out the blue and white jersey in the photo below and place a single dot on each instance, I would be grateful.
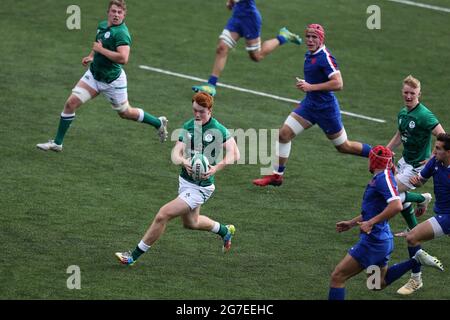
(244, 8)
(441, 181)
(318, 68)
(381, 190)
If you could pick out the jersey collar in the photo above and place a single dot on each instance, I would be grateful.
(414, 108)
(318, 50)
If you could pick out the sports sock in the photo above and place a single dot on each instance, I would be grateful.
(412, 252)
(280, 169)
(410, 218)
(64, 123)
(399, 269)
(416, 276)
(365, 150)
(139, 250)
(151, 120)
(281, 39)
(336, 294)
(223, 230)
(213, 80)
(414, 197)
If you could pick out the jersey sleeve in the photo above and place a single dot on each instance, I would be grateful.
(184, 134)
(387, 186)
(225, 133)
(430, 121)
(429, 169)
(329, 64)
(123, 39)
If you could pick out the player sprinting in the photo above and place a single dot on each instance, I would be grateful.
(245, 22)
(209, 138)
(381, 202)
(416, 125)
(110, 51)
(322, 77)
(437, 167)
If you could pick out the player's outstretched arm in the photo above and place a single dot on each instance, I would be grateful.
(395, 141)
(88, 59)
(346, 225)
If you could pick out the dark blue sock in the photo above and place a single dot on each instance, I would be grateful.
(212, 80)
(399, 269)
(365, 150)
(281, 39)
(336, 294)
(412, 251)
(281, 169)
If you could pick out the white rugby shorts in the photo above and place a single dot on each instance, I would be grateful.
(193, 194)
(116, 91)
(405, 172)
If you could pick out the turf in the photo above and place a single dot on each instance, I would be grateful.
(99, 195)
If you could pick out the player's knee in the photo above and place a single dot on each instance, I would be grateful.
(337, 277)
(226, 40)
(78, 97)
(124, 115)
(254, 51)
(162, 216)
(71, 105)
(342, 144)
(189, 225)
(284, 137)
(255, 56)
(222, 49)
(124, 110)
(343, 148)
(411, 239)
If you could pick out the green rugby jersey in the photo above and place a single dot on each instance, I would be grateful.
(102, 68)
(213, 135)
(415, 128)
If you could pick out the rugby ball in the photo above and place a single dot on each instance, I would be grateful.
(199, 165)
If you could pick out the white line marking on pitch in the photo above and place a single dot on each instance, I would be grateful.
(219, 84)
(422, 5)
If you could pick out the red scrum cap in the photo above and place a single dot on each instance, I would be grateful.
(318, 30)
(380, 157)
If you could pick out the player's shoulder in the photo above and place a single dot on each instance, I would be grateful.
(326, 52)
(385, 175)
(403, 111)
(123, 26)
(432, 162)
(217, 124)
(424, 109)
(102, 24)
(325, 55)
(189, 124)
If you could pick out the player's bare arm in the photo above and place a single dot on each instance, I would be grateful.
(395, 141)
(232, 155)
(178, 157)
(417, 181)
(88, 59)
(348, 224)
(437, 130)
